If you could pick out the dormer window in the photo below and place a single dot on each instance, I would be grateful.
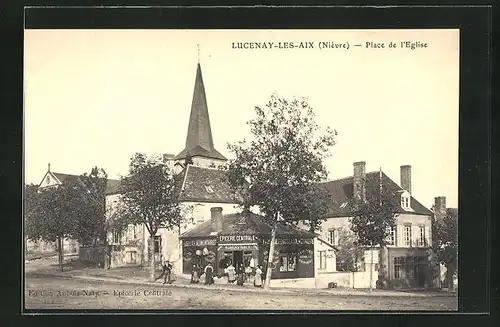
(405, 201)
(209, 189)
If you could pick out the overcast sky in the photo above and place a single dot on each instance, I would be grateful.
(94, 97)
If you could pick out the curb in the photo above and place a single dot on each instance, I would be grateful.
(246, 289)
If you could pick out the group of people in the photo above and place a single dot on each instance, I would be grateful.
(237, 275)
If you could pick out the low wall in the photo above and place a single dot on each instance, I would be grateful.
(359, 279)
(294, 283)
(92, 254)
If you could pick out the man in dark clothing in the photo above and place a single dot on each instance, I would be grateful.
(167, 269)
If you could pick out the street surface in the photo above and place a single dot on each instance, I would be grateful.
(61, 293)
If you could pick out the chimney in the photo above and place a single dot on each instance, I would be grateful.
(440, 207)
(406, 178)
(216, 219)
(359, 176)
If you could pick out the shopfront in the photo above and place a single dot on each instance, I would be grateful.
(243, 240)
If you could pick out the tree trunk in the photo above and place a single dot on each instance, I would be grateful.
(270, 259)
(60, 249)
(371, 268)
(449, 277)
(152, 263)
(383, 265)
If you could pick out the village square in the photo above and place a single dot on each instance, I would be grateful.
(265, 229)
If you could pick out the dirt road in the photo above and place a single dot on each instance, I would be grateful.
(54, 292)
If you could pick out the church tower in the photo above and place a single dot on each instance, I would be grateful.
(199, 142)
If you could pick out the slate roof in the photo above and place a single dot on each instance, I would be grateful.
(245, 223)
(112, 186)
(342, 190)
(199, 141)
(206, 185)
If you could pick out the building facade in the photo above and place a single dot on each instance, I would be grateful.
(407, 253)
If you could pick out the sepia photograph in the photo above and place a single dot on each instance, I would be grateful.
(241, 169)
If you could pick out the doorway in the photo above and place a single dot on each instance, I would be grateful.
(237, 258)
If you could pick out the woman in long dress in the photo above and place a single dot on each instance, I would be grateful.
(231, 273)
(209, 270)
(240, 274)
(258, 277)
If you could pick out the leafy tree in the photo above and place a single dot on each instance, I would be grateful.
(150, 197)
(278, 169)
(51, 217)
(348, 252)
(91, 211)
(373, 217)
(445, 242)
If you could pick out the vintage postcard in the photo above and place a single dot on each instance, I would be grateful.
(241, 169)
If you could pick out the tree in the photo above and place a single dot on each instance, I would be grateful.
(91, 211)
(373, 218)
(150, 197)
(445, 243)
(348, 252)
(51, 217)
(278, 169)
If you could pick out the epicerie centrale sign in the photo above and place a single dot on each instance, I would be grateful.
(237, 239)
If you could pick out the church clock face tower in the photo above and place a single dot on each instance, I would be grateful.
(199, 149)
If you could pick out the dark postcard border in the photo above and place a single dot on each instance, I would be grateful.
(475, 25)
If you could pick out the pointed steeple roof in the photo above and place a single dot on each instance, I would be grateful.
(199, 141)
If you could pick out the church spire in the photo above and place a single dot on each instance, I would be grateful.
(199, 141)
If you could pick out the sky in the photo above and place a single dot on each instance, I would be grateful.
(95, 97)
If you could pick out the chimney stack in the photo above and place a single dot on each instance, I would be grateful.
(440, 207)
(359, 177)
(406, 178)
(216, 219)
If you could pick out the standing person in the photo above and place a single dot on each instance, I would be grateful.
(167, 270)
(209, 270)
(195, 275)
(258, 277)
(240, 274)
(231, 273)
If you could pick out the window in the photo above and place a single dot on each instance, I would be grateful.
(333, 237)
(157, 244)
(399, 271)
(421, 239)
(407, 235)
(405, 201)
(116, 236)
(134, 232)
(322, 260)
(288, 262)
(392, 236)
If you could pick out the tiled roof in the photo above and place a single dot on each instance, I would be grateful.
(112, 185)
(342, 190)
(245, 223)
(206, 185)
(199, 136)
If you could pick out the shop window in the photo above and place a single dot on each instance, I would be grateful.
(399, 263)
(322, 260)
(288, 262)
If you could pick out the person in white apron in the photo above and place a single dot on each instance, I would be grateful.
(258, 277)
